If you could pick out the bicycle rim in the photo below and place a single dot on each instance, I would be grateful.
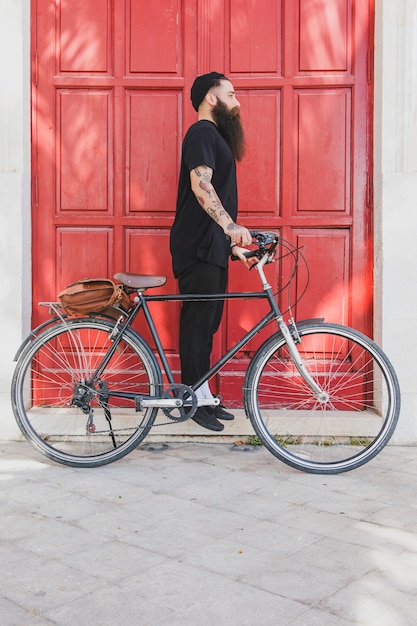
(336, 435)
(55, 368)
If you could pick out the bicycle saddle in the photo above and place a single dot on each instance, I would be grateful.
(140, 281)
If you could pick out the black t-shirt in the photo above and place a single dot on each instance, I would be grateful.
(194, 234)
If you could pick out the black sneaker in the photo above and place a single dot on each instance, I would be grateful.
(220, 413)
(206, 419)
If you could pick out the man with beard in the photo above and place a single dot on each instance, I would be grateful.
(205, 231)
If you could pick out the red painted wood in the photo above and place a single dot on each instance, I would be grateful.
(325, 35)
(327, 253)
(254, 34)
(83, 35)
(152, 132)
(84, 155)
(155, 36)
(110, 105)
(147, 252)
(83, 253)
(323, 151)
(259, 175)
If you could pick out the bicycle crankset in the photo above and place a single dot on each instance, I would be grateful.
(187, 395)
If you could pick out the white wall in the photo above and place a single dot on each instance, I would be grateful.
(395, 196)
(14, 194)
(395, 190)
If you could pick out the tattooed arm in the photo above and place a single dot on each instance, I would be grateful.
(208, 199)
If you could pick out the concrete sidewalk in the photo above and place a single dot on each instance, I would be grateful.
(207, 534)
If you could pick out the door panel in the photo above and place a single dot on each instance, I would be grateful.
(81, 251)
(84, 151)
(83, 34)
(325, 35)
(328, 255)
(323, 151)
(110, 106)
(152, 132)
(252, 31)
(153, 246)
(259, 171)
(155, 36)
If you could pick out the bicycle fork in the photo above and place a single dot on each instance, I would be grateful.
(320, 394)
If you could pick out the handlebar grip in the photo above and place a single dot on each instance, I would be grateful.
(248, 255)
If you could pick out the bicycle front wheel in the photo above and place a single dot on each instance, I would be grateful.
(325, 436)
(72, 417)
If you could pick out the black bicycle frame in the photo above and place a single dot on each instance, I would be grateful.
(142, 304)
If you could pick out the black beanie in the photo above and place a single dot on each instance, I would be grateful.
(201, 85)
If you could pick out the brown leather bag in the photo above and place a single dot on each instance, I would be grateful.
(94, 295)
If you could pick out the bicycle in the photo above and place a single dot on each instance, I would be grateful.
(321, 397)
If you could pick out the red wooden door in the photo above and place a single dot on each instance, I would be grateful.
(110, 105)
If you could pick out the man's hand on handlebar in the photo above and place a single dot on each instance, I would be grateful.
(247, 257)
(266, 242)
(239, 235)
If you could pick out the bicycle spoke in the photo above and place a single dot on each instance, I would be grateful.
(330, 436)
(71, 418)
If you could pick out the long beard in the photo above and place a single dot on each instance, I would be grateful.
(230, 127)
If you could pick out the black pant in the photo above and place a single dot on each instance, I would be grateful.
(199, 320)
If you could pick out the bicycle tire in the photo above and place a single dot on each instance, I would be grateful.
(59, 361)
(338, 435)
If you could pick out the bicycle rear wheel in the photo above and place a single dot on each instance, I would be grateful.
(70, 420)
(327, 437)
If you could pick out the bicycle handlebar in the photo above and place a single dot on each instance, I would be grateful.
(266, 237)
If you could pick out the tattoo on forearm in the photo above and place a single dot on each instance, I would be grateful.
(216, 205)
(213, 214)
(209, 200)
(207, 187)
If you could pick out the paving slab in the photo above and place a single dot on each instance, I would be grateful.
(198, 533)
